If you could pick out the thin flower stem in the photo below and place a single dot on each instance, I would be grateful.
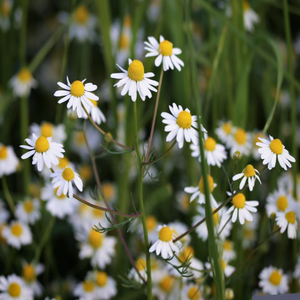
(140, 183)
(7, 194)
(155, 112)
(105, 133)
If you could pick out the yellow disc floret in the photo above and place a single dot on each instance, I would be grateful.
(227, 128)
(291, 217)
(166, 48)
(108, 190)
(165, 234)
(249, 171)
(77, 88)
(29, 273)
(63, 162)
(101, 278)
(184, 119)
(282, 203)
(62, 196)
(211, 184)
(42, 144)
(47, 130)
(227, 245)
(88, 286)
(276, 146)
(3, 152)
(136, 70)
(28, 206)
(186, 254)
(14, 290)
(275, 277)
(81, 14)
(123, 42)
(68, 174)
(166, 283)
(24, 75)
(240, 136)
(239, 200)
(215, 217)
(16, 229)
(246, 5)
(140, 264)
(210, 144)
(193, 293)
(95, 239)
(151, 223)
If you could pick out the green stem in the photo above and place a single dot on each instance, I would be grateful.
(161, 156)
(140, 183)
(23, 33)
(7, 195)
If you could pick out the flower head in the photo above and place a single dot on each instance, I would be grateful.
(287, 220)
(8, 160)
(22, 82)
(250, 174)
(273, 281)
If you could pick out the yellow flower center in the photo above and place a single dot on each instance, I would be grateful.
(42, 144)
(62, 196)
(193, 293)
(227, 245)
(211, 184)
(227, 128)
(24, 75)
(63, 162)
(47, 130)
(127, 21)
(186, 254)
(151, 223)
(101, 279)
(95, 239)
(136, 70)
(282, 203)
(246, 5)
(68, 174)
(85, 172)
(166, 284)
(80, 138)
(184, 119)
(291, 217)
(108, 191)
(123, 43)
(166, 48)
(215, 217)
(210, 144)
(140, 264)
(5, 8)
(239, 200)
(88, 286)
(276, 146)
(82, 208)
(16, 229)
(77, 88)
(275, 277)
(28, 206)
(29, 273)
(165, 234)
(3, 152)
(98, 213)
(249, 171)
(240, 136)
(81, 14)
(224, 264)
(14, 290)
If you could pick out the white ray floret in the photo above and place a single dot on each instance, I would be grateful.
(8, 160)
(287, 221)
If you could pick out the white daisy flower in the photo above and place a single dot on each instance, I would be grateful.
(248, 173)
(96, 113)
(250, 16)
(287, 220)
(241, 208)
(28, 211)
(279, 201)
(270, 150)
(109, 191)
(192, 291)
(4, 214)
(85, 290)
(135, 80)
(141, 266)
(224, 131)
(77, 94)
(105, 285)
(164, 246)
(273, 281)
(8, 160)
(165, 53)
(215, 153)
(80, 219)
(255, 139)
(249, 232)
(178, 229)
(17, 234)
(97, 246)
(22, 83)
(5, 13)
(199, 192)
(14, 288)
(43, 150)
(227, 269)
(166, 288)
(58, 206)
(46, 129)
(239, 141)
(63, 180)
(30, 273)
(183, 202)
(181, 124)
(151, 224)
(228, 250)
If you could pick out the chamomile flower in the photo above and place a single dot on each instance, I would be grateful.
(47, 130)
(287, 220)
(181, 124)
(224, 131)
(250, 174)
(28, 211)
(43, 150)
(85, 290)
(241, 208)
(22, 83)
(58, 206)
(250, 16)
(273, 281)
(183, 202)
(165, 53)
(228, 250)
(77, 94)
(164, 246)
(255, 139)
(270, 150)
(141, 266)
(4, 214)
(96, 113)
(5, 12)
(239, 141)
(199, 192)
(215, 153)
(97, 246)
(14, 288)
(135, 80)
(151, 224)
(178, 229)
(30, 272)
(8, 160)
(109, 191)
(105, 285)
(192, 291)
(166, 288)
(63, 180)
(17, 234)
(227, 269)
